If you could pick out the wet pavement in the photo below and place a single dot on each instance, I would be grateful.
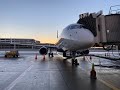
(26, 73)
(108, 71)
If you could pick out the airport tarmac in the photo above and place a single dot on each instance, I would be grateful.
(26, 73)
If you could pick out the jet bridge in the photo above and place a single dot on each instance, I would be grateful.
(89, 21)
(106, 28)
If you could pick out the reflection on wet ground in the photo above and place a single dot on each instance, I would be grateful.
(26, 73)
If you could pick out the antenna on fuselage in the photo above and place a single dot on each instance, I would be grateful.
(57, 33)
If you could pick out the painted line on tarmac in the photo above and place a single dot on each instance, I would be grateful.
(106, 83)
(102, 81)
(18, 79)
(109, 85)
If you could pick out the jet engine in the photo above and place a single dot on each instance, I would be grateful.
(43, 50)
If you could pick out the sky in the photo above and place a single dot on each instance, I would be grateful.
(40, 19)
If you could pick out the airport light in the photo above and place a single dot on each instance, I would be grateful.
(108, 31)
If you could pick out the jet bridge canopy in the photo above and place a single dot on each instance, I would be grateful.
(105, 28)
(89, 21)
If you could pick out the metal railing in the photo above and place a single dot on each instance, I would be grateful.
(114, 9)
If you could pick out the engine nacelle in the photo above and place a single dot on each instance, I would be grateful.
(43, 50)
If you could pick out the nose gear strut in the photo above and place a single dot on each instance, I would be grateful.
(74, 61)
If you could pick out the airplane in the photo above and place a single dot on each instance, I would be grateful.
(75, 38)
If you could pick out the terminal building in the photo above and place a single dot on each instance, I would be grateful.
(105, 28)
(19, 43)
(10, 43)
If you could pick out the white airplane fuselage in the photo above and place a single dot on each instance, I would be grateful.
(75, 37)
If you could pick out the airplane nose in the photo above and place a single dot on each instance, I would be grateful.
(90, 40)
(79, 40)
(86, 39)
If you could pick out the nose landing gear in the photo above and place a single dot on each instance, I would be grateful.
(74, 61)
(50, 54)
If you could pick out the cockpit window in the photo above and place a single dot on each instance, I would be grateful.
(84, 26)
(75, 27)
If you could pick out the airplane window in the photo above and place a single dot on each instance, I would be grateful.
(81, 26)
(84, 26)
(68, 27)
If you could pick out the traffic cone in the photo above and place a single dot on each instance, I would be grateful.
(105, 54)
(93, 72)
(90, 57)
(43, 57)
(36, 56)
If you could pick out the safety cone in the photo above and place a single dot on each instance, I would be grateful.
(93, 72)
(105, 54)
(90, 57)
(36, 57)
(43, 57)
